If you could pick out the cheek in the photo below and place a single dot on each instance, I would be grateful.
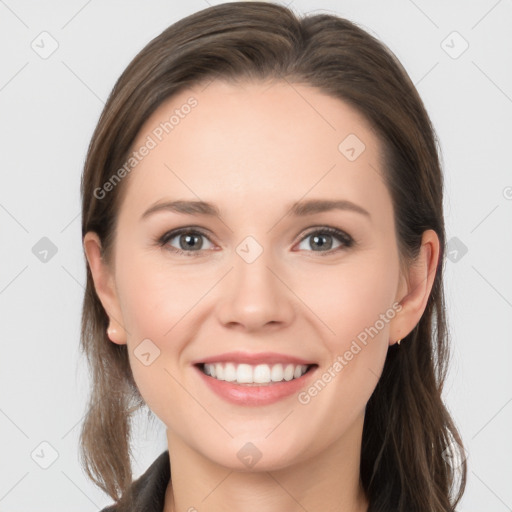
(154, 297)
(357, 309)
(353, 297)
(167, 305)
(157, 306)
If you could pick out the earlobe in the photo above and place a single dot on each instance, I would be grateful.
(115, 334)
(419, 281)
(105, 288)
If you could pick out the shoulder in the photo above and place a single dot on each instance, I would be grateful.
(148, 490)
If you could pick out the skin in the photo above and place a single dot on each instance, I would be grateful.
(252, 149)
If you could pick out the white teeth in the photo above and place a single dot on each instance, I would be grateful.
(297, 372)
(258, 374)
(289, 371)
(261, 374)
(244, 374)
(276, 374)
(229, 372)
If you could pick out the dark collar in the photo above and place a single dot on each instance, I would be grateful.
(149, 489)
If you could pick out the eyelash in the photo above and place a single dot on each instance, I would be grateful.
(346, 240)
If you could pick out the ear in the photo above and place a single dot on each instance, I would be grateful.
(104, 285)
(415, 287)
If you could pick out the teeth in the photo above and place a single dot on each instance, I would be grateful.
(229, 372)
(262, 374)
(257, 374)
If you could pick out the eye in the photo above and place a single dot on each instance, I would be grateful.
(323, 239)
(188, 241)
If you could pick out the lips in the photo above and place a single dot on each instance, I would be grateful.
(240, 357)
(255, 394)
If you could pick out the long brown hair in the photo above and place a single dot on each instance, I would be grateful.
(408, 434)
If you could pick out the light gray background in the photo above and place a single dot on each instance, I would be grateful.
(49, 107)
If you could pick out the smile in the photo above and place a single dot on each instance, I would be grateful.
(254, 374)
(248, 391)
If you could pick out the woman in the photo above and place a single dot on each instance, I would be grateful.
(264, 233)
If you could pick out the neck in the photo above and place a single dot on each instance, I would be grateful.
(328, 481)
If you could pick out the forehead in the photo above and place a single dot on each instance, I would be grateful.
(240, 142)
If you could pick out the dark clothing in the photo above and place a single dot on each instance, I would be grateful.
(149, 489)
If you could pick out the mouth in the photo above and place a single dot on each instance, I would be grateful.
(244, 374)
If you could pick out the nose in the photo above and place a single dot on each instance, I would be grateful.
(255, 295)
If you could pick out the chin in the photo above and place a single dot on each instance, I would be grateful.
(256, 453)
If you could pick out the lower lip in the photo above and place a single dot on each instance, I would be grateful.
(239, 394)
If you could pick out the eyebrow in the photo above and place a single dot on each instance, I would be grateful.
(298, 209)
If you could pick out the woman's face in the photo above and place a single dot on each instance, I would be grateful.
(263, 278)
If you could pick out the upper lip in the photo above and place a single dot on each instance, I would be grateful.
(253, 358)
